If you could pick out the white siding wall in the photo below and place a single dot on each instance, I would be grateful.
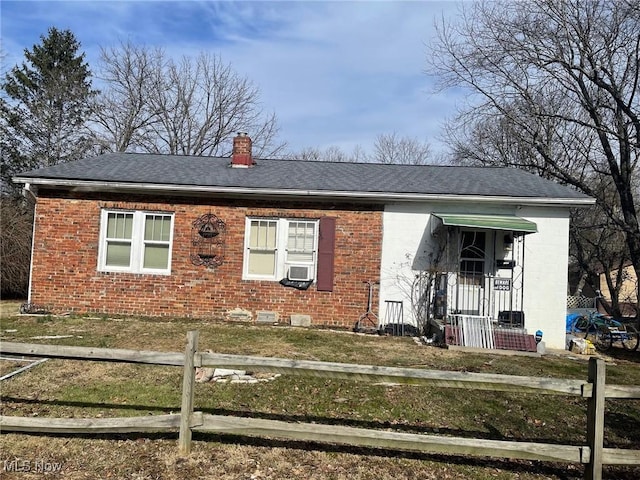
(545, 273)
(405, 239)
(407, 243)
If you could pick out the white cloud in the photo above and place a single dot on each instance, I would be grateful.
(335, 73)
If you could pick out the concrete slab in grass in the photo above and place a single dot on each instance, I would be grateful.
(299, 320)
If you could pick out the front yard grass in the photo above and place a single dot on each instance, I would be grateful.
(65, 388)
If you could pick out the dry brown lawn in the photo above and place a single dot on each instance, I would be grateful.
(61, 388)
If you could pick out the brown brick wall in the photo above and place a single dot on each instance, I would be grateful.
(65, 259)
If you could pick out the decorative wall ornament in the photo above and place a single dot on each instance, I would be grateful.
(207, 241)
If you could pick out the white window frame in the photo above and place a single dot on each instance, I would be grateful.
(282, 262)
(138, 243)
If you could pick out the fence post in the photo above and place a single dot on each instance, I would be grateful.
(595, 419)
(188, 382)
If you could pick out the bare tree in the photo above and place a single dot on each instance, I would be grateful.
(598, 248)
(388, 148)
(16, 223)
(329, 154)
(43, 121)
(122, 113)
(555, 86)
(391, 148)
(195, 107)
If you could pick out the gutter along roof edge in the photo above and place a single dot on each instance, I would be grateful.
(90, 185)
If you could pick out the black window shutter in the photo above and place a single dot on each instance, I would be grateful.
(326, 253)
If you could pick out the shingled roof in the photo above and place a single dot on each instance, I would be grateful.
(140, 172)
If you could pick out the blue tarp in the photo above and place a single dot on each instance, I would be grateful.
(571, 319)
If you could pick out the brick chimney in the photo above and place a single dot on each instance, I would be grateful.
(241, 156)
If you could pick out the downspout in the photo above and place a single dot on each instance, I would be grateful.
(30, 194)
(492, 272)
(522, 295)
(26, 191)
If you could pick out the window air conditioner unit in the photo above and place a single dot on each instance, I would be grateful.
(299, 272)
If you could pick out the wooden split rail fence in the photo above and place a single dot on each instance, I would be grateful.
(594, 389)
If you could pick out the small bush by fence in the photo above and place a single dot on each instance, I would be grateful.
(593, 455)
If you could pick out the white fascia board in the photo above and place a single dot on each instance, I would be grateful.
(378, 197)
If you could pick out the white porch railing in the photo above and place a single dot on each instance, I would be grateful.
(473, 331)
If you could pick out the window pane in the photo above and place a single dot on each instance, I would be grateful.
(300, 257)
(156, 256)
(472, 267)
(118, 254)
(473, 244)
(119, 225)
(300, 242)
(262, 263)
(157, 227)
(253, 234)
(263, 234)
(111, 225)
(136, 241)
(301, 236)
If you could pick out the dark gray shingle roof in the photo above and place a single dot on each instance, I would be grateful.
(210, 172)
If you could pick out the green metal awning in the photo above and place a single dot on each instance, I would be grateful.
(492, 222)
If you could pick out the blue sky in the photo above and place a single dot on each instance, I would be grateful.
(334, 73)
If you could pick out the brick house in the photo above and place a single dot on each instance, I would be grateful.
(275, 240)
